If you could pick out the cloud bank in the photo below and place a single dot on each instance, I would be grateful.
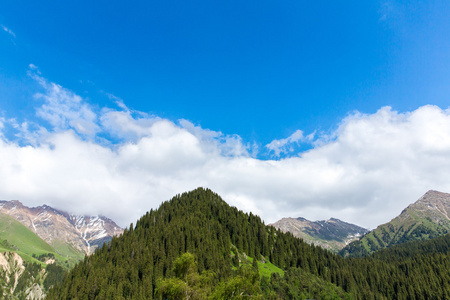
(122, 163)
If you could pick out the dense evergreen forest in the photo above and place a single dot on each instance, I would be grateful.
(223, 248)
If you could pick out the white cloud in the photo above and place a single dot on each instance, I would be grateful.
(284, 146)
(34, 68)
(63, 109)
(124, 125)
(373, 166)
(29, 132)
(9, 31)
(213, 141)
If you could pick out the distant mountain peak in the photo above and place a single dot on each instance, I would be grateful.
(10, 204)
(426, 218)
(332, 234)
(84, 233)
(434, 192)
(432, 205)
(335, 220)
(433, 197)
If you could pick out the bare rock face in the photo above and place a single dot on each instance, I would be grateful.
(83, 233)
(35, 292)
(433, 205)
(12, 268)
(332, 234)
(94, 230)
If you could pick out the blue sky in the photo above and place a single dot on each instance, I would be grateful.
(271, 68)
(260, 84)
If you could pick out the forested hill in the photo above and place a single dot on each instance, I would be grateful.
(223, 239)
(439, 245)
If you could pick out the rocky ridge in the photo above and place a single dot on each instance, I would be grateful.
(434, 206)
(332, 234)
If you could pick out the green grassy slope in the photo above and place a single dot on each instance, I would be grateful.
(265, 267)
(411, 225)
(16, 237)
(67, 253)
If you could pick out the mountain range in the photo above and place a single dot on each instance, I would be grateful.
(196, 246)
(332, 234)
(77, 234)
(141, 261)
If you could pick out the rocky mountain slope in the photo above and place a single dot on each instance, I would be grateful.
(37, 244)
(69, 234)
(332, 234)
(12, 268)
(23, 260)
(427, 218)
(17, 281)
